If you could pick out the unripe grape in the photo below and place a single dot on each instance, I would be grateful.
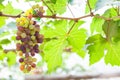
(23, 35)
(34, 59)
(33, 37)
(31, 27)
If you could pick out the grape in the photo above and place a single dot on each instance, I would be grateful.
(32, 54)
(20, 53)
(39, 40)
(36, 50)
(18, 45)
(21, 60)
(33, 37)
(34, 22)
(27, 31)
(34, 59)
(29, 37)
(36, 33)
(31, 27)
(18, 37)
(22, 67)
(36, 46)
(28, 68)
(23, 35)
(20, 28)
(33, 65)
(19, 33)
(23, 49)
(26, 55)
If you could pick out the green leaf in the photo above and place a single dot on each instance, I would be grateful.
(57, 6)
(57, 29)
(113, 56)
(110, 13)
(96, 47)
(1, 1)
(2, 21)
(96, 24)
(53, 1)
(60, 6)
(53, 53)
(2, 34)
(92, 5)
(9, 9)
(5, 41)
(1, 6)
(112, 30)
(11, 58)
(2, 55)
(77, 38)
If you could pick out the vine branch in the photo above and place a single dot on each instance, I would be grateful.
(71, 28)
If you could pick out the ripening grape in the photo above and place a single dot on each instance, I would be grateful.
(22, 67)
(20, 53)
(33, 65)
(29, 37)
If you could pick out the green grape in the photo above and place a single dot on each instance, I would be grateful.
(23, 35)
(33, 38)
(31, 27)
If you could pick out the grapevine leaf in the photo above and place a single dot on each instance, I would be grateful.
(112, 30)
(60, 6)
(53, 53)
(53, 1)
(92, 5)
(96, 47)
(110, 13)
(1, 6)
(9, 9)
(57, 29)
(2, 55)
(5, 41)
(96, 24)
(11, 58)
(77, 39)
(2, 21)
(112, 56)
(1, 1)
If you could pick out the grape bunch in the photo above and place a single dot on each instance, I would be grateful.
(28, 37)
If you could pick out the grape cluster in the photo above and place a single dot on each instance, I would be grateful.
(28, 37)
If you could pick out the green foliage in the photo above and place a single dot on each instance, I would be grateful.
(77, 39)
(96, 47)
(113, 56)
(2, 21)
(5, 41)
(112, 30)
(92, 5)
(9, 9)
(96, 24)
(57, 6)
(11, 58)
(53, 53)
(110, 12)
